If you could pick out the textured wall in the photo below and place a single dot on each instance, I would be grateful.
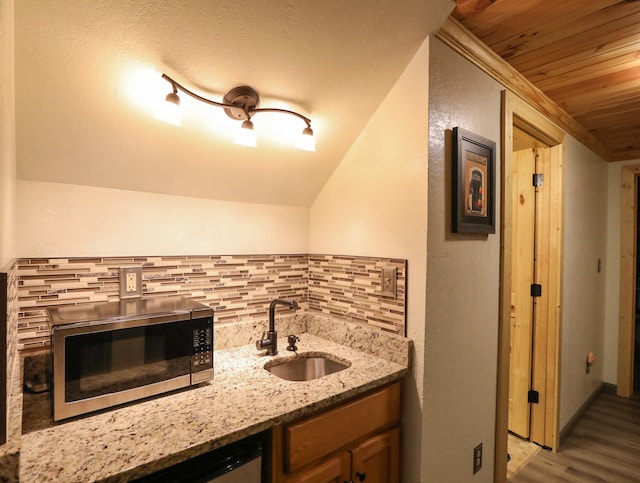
(462, 277)
(376, 203)
(583, 290)
(462, 283)
(61, 220)
(7, 134)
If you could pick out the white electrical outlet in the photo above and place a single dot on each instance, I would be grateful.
(130, 282)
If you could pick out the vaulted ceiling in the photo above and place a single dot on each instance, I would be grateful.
(583, 55)
(88, 80)
(88, 77)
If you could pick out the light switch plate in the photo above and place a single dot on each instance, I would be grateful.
(389, 281)
(130, 282)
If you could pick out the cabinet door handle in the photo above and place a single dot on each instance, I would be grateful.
(361, 476)
(348, 481)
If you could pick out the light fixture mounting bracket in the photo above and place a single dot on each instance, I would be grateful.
(245, 97)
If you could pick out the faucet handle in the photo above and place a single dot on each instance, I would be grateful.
(264, 342)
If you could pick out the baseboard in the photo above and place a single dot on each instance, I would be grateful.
(569, 427)
(608, 387)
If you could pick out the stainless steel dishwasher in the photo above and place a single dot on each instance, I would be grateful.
(239, 462)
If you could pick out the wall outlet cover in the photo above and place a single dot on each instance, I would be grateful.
(130, 282)
(477, 458)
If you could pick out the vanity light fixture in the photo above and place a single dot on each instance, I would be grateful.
(241, 104)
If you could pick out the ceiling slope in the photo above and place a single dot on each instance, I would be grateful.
(88, 80)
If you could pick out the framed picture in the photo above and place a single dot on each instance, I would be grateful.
(473, 193)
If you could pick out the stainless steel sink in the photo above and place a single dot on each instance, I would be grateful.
(306, 367)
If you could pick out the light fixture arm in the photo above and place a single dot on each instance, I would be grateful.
(248, 110)
(285, 111)
(177, 85)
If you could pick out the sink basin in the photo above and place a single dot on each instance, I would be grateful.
(306, 367)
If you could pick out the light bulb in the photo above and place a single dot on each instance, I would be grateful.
(169, 110)
(246, 136)
(306, 141)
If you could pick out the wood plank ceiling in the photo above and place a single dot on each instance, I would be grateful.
(583, 54)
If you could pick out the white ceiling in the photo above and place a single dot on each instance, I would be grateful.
(88, 82)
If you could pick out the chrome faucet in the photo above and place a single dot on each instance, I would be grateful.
(269, 338)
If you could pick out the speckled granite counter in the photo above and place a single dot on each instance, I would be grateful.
(241, 400)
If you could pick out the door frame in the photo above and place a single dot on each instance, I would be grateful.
(627, 310)
(517, 112)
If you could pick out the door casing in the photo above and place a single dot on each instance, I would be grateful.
(626, 320)
(516, 112)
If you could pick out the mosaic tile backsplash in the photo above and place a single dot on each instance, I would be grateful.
(237, 287)
(11, 273)
(349, 288)
(12, 318)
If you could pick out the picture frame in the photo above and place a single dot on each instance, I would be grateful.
(473, 183)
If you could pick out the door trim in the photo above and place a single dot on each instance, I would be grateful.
(626, 319)
(517, 112)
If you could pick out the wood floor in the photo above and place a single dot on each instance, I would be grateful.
(520, 451)
(604, 446)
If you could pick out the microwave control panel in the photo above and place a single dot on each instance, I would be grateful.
(202, 346)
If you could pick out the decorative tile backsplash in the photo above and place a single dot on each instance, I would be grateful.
(12, 318)
(10, 450)
(237, 287)
(349, 288)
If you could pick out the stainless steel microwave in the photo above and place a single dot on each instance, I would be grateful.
(110, 353)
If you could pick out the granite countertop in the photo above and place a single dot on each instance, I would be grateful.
(242, 399)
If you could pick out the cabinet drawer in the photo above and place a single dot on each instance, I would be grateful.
(320, 435)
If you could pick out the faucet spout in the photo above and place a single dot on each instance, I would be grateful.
(292, 304)
(269, 339)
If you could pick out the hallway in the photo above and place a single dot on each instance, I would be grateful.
(604, 446)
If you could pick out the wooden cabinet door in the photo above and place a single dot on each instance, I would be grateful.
(330, 431)
(377, 460)
(332, 470)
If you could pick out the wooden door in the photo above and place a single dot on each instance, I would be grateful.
(544, 306)
(377, 460)
(532, 342)
(522, 274)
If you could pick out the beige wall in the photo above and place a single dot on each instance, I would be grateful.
(7, 134)
(375, 203)
(462, 284)
(585, 241)
(61, 220)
